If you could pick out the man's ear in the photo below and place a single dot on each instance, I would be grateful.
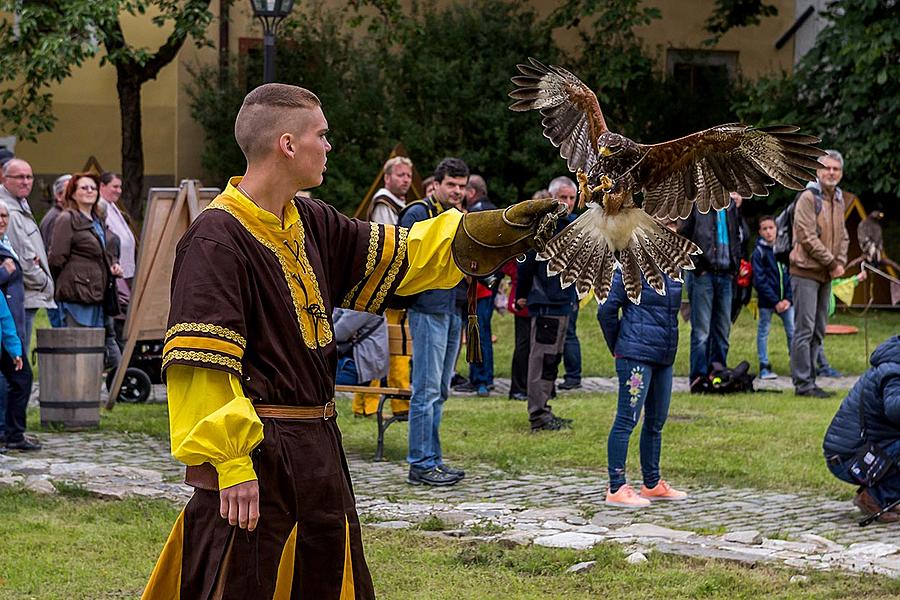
(286, 144)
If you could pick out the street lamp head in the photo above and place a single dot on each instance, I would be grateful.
(271, 8)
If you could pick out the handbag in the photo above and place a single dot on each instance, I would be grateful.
(111, 306)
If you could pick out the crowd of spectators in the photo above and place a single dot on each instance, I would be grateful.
(77, 264)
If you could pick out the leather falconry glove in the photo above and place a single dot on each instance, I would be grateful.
(487, 239)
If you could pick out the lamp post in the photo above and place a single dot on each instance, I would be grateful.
(270, 13)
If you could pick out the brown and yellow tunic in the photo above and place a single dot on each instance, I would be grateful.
(250, 323)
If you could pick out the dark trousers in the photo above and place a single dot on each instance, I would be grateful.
(519, 376)
(14, 394)
(572, 349)
(548, 335)
(810, 317)
(887, 489)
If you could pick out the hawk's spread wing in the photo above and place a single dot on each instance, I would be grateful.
(572, 117)
(705, 166)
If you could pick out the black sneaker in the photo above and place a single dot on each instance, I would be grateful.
(465, 388)
(25, 445)
(700, 385)
(457, 379)
(569, 385)
(815, 392)
(432, 477)
(551, 425)
(444, 468)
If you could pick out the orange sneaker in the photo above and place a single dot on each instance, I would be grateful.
(662, 491)
(626, 497)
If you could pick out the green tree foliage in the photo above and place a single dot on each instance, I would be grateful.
(729, 14)
(438, 81)
(43, 41)
(847, 91)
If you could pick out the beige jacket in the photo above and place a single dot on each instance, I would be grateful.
(26, 240)
(820, 241)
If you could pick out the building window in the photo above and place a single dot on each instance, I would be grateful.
(702, 72)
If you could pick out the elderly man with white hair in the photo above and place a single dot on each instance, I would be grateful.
(818, 256)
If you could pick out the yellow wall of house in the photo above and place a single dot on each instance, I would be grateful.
(87, 106)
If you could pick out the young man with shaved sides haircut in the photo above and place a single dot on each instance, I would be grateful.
(250, 360)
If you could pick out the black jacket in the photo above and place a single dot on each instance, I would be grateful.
(701, 229)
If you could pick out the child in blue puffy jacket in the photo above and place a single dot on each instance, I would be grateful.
(772, 283)
(644, 341)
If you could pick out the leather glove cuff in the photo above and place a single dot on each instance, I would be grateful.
(485, 240)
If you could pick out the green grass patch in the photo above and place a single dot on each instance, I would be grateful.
(79, 548)
(846, 353)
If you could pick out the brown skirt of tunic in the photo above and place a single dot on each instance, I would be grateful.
(307, 544)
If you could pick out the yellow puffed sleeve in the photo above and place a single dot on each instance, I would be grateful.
(428, 250)
(210, 420)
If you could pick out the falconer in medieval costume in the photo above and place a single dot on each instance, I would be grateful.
(250, 359)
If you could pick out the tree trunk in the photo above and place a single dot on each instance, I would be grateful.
(129, 89)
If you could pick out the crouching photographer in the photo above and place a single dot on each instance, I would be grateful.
(862, 444)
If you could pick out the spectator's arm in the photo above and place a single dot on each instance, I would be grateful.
(806, 232)
(891, 394)
(763, 287)
(786, 279)
(10, 339)
(4, 274)
(61, 247)
(843, 245)
(608, 312)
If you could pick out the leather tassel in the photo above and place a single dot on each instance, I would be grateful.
(473, 336)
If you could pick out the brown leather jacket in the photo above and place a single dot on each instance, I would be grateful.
(77, 259)
(820, 240)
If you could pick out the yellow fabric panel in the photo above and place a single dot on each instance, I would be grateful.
(165, 580)
(430, 257)
(285, 578)
(204, 343)
(366, 404)
(210, 420)
(348, 592)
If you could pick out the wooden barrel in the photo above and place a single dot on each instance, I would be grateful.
(70, 365)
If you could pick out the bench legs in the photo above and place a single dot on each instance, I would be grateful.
(383, 424)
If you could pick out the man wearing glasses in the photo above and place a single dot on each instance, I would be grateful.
(25, 238)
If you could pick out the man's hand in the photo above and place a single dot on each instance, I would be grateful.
(17, 362)
(116, 270)
(863, 275)
(837, 271)
(521, 302)
(9, 265)
(239, 504)
(782, 306)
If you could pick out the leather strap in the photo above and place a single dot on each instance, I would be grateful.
(275, 411)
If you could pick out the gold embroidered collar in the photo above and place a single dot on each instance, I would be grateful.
(287, 242)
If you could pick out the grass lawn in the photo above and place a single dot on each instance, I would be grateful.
(846, 353)
(76, 548)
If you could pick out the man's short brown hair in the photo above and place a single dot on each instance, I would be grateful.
(262, 113)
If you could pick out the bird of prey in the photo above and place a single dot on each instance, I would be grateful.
(700, 168)
(868, 233)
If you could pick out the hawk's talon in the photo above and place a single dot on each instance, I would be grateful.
(606, 184)
(584, 195)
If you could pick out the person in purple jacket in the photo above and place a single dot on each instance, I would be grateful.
(772, 282)
(644, 341)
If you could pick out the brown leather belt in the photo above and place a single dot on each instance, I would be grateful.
(205, 476)
(280, 411)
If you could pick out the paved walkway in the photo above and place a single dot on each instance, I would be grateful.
(563, 509)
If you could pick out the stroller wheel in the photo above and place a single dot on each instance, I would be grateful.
(136, 386)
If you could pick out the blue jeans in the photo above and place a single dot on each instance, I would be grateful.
(346, 371)
(887, 489)
(435, 340)
(572, 349)
(762, 331)
(647, 386)
(710, 298)
(57, 317)
(483, 373)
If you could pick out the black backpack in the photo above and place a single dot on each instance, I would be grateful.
(723, 380)
(784, 226)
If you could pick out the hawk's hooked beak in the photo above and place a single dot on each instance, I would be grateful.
(604, 152)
